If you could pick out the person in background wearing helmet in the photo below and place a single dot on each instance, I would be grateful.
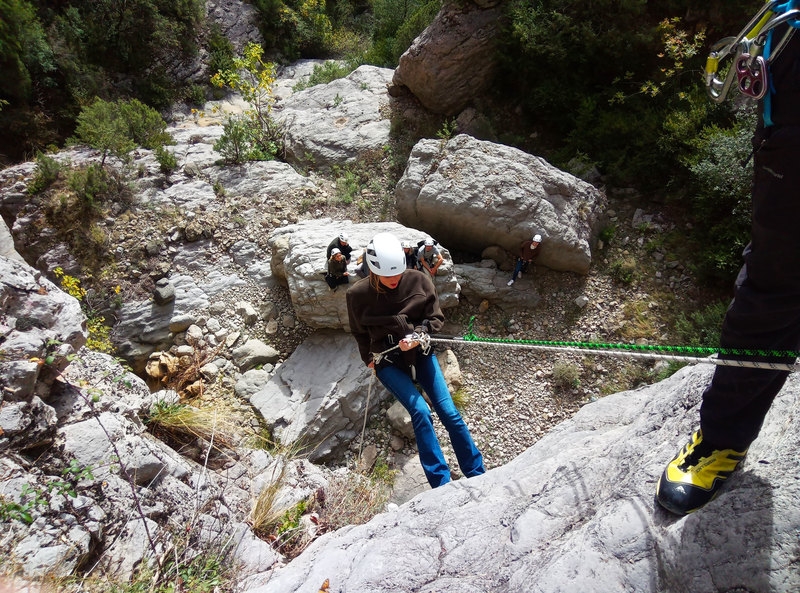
(412, 263)
(337, 270)
(429, 257)
(397, 309)
(528, 251)
(342, 243)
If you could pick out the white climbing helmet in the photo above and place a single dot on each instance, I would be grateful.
(385, 255)
(343, 238)
(537, 238)
(335, 251)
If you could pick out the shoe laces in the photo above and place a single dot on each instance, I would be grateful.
(700, 450)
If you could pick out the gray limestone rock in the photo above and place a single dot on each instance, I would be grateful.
(471, 194)
(576, 512)
(252, 353)
(453, 60)
(338, 122)
(321, 411)
(298, 259)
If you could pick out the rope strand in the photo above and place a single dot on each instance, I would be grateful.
(689, 354)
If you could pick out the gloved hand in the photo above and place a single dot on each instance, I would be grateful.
(423, 338)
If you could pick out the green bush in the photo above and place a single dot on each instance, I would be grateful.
(117, 127)
(701, 328)
(220, 51)
(566, 375)
(146, 127)
(241, 141)
(45, 174)
(295, 28)
(166, 160)
(92, 186)
(721, 195)
(623, 270)
(325, 73)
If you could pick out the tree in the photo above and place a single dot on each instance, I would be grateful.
(118, 127)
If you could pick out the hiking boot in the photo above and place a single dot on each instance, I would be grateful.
(519, 276)
(694, 477)
(510, 282)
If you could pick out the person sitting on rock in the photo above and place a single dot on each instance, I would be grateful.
(337, 270)
(342, 243)
(429, 257)
(528, 251)
(412, 263)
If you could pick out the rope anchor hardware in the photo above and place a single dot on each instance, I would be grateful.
(750, 57)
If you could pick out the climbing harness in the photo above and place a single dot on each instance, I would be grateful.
(689, 354)
(423, 338)
(752, 49)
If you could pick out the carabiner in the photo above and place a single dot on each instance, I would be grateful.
(718, 89)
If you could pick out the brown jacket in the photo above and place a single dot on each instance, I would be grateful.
(412, 306)
(527, 252)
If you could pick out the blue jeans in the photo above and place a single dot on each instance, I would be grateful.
(430, 378)
(520, 266)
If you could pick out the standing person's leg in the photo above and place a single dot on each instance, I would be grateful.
(517, 270)
(765, 312)
(764, 315)
(432, 381)
(433, 462)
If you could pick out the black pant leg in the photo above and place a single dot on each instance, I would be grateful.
(765, 312)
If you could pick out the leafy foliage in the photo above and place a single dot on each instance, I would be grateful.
(702, 327)
(55, 59)
(295, 28)
(99, 338)
(116, 128)
(256, 136)
(45, 174)
(722, 172)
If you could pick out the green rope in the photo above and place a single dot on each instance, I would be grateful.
(698, 351)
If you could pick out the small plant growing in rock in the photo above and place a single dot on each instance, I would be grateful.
(166, 160)
(623, 270)
(45, 174)
(566, 375)
(99, 333)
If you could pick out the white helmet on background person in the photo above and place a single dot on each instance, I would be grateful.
(428, 242)
(406, 244)
(335, 250)
(537, 238)
(343, 238)
(385, 256)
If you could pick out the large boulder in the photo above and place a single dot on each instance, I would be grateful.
(472, 194)
(322, 412)
(454, 58)
(576, 512)
(298, 260)
(339, 122)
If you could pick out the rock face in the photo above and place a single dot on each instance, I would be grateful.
(322, 411)
(472, 194)
(41, 327)
(298, 259)
(575, 512)
(454, 59)
(338, 122)
(237, 21)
